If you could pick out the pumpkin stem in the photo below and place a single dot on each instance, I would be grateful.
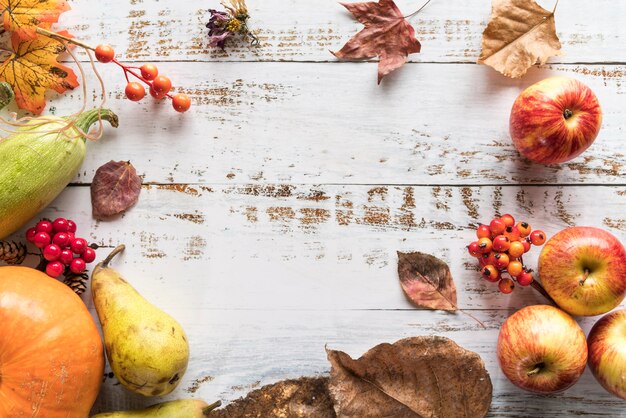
(116, 251)
(88, 118)
(207, 410)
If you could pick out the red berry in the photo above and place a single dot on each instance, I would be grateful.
(104, 53)
(162, 84)
(524, 229)
(135, 91)
(77, 265)
(62, 239)
(508, 220)
(512, 233)
(502, 261)
(149, 71)
(51, 252)
(484, 259)
(181, 102)
(497, 226)
(516, 249)
(484, 245)
(506, 286)
(54, 269)
(60, 225)
(157, 94)
(66, 257)
(515, 268)
(525, 278)
(89, 255)
(483, 231)
(30, 234)
(490, 273)
(71, 226)
(71, 235)
(474, 250)
(78, 245)
(41, 239)
(44, 226)
(526, 244)
(538, 237)
(501, 243)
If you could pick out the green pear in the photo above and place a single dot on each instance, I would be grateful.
(146, 348)
(184, 408)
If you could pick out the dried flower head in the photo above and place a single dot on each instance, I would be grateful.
(223, 25)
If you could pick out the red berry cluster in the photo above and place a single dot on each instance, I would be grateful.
(500, 248)
(159, 85)
(59, 246)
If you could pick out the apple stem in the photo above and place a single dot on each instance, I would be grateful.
(567, 114)
(534, 371)
(585, 277)
(539, 288)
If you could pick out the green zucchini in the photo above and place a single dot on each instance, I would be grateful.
(36, 165)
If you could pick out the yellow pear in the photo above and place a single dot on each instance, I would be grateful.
(183, 408)
(146, 348)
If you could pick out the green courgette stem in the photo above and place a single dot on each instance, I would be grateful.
(88, 118)
(207, 410)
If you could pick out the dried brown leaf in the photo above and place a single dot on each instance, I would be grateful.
(427, 281)
(412, 378)
(114, 189)
(387, 34)
(520, 33)
(304, 397)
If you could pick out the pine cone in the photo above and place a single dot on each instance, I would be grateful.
(77, 282)
(12, 252)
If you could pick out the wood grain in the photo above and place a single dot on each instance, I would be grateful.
(305, 30)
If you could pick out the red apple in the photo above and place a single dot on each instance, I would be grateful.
(555, 120)
(607, 352)
(542, 349)
(584, 270)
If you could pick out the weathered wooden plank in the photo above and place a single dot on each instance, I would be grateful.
(235, 351)
(327, 123)
(304, 30)
(322, 248)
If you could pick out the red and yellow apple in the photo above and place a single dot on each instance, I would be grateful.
(555, 120)
(542, 349)
(584, 270)
(607, 352)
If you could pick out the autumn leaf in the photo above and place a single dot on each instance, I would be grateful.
(520, 34)
(426, 281)
(23, 16)
(304, 397)
(387, 34)
(33, 68)
(114, 189)
(415, 377)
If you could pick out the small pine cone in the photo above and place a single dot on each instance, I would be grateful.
(12, 252)
(77, 282)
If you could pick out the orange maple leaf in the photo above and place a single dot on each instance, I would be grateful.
(23, 16)
(33, 68)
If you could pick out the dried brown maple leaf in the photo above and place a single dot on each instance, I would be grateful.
(520, 33)
(114, 189)
(427, 281)
(304, 397)
(415, 377)
(387, 34)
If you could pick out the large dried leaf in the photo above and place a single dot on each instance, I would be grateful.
(23, 16)
(387, 34)
(427, 281)
(114, 189)
(33, 68)
(520, 34)
(412, 378)
(305, 397)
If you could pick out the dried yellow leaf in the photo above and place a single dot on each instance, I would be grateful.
(520, 34)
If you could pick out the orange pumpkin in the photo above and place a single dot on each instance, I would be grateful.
(51, 356)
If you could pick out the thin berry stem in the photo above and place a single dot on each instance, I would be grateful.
(63, 38)
(539, 288)
(420, 9)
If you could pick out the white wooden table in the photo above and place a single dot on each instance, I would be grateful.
(272, 212)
